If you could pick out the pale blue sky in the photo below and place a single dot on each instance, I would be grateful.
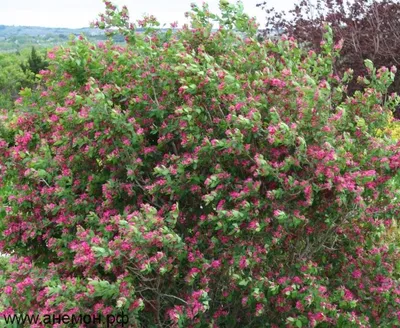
(79, 13)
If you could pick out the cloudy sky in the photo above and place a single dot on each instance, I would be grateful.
(79, 13)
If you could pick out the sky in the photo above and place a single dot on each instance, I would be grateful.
(79, 13)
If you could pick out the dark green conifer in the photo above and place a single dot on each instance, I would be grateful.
(35, 63)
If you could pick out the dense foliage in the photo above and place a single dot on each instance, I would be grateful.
(18, 70)
(368, 30)
(11, 79)
(392, 130)
(201, 179)
(34, 64)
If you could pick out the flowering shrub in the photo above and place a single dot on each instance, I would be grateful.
(368, 29)
(201, 179)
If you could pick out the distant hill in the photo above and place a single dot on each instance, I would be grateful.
(16, 38)
(9, 31)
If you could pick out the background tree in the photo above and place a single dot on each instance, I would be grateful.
(34, 64)
(18, 70)
(12, 78)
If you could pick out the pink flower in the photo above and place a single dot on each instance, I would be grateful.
(319, 316)
(8, 290)
(216, 264)
(51, 55)
(339, 45)
(259, 309)
(278, 83)
(54, 118)
(348, 295)
(243, 263)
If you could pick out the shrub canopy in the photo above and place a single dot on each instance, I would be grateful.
(200, 178)
(368, 30)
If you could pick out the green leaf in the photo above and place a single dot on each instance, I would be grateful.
(368, 63)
